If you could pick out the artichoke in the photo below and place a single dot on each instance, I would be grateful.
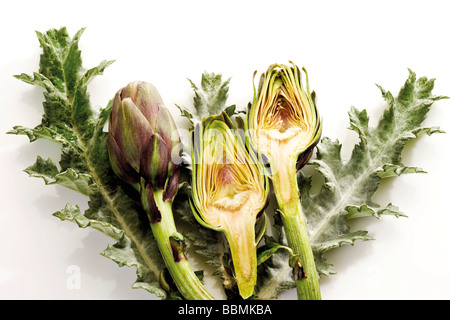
(284, 127)
(145, 152)
(143, 140)
(229, 192)
(283, 118)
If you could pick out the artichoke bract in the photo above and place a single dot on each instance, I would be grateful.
(284, 127)
(145, 152)
(143, 140)
(229, 192)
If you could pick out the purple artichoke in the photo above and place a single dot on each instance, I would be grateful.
(145, 151)
(143, 141)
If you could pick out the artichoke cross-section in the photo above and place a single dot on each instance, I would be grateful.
(229, 192)
(284, 127)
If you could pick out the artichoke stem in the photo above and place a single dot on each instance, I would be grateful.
(284, 178)
(166, 236)
(241, 239)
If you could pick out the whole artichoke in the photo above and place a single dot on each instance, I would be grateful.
(143, 140)
(144, 150)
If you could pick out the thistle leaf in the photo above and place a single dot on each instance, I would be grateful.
(209, 98)
(349, 186)
(274, 273)
(70, 121)
(45, 169)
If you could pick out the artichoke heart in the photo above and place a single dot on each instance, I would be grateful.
(229, 191)
(283, 118)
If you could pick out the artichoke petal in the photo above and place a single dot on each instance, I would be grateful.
(172, 186)
(131, 131)
(120, 165)
(148, 100)
(154, 161)
(149, 204)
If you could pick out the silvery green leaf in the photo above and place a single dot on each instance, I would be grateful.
(349, 186)
(274, 273)
(210, 98)
(71, 121)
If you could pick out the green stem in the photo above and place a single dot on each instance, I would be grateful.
(170, 244)
(284, 179)
(241, 239)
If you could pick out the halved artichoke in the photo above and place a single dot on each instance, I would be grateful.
(229, 191)
(284, 126)
(283, 120)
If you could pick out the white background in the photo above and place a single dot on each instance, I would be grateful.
(346, 46)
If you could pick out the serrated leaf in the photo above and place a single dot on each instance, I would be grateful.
(274, 276)
(124, 254)
(79, 182)
(48, 171)
(70, 121)
(366, 211)
(209, 98)
(392, 170)
(93, 72)
(349, 186)
(274, 273)
(37, 133)
(45, 169)
(73, 213)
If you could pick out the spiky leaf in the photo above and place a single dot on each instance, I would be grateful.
(70, 121)
(210, 98)
(349, 186)
(274, 273)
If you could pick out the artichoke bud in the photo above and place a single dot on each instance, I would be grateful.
(283, 118)
(143, 142)
(229, 191)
